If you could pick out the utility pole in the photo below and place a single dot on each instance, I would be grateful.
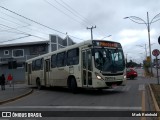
(91, 31)
(148, 28)
(145, 51)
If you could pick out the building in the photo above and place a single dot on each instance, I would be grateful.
(57, 42)
(20, 52)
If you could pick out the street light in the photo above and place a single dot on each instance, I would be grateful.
(148, 24)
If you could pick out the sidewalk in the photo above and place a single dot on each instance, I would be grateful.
(14, 92)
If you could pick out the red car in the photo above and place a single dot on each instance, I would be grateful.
(131, 73)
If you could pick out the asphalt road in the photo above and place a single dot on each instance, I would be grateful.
(132, 97)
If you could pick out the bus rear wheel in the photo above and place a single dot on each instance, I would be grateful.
(72, 85)
(38, 83)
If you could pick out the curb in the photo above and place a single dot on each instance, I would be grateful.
(16, 98)
(156, 107)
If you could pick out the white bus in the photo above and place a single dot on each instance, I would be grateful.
(90, 64)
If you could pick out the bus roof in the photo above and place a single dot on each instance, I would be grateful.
(87, 42)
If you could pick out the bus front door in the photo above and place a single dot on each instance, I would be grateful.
(47, 72)
(87, 68)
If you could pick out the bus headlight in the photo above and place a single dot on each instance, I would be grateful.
(124, 76)
(98, 76)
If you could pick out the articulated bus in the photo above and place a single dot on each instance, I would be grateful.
(93, 64)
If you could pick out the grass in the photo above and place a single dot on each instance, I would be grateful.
(156, 91)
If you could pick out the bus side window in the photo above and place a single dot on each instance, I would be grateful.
(33, 65)
(53, 61)
(61, 59)
(73, 57)
(37, 64)
(76, 57)
(42, 61)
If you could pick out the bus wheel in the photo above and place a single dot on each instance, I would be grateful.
(38, 82)
(72, 85)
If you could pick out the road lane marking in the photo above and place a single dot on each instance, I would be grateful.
(143, 100)
(126, 88)
(74, 107)
(141, 87)
(143, 104)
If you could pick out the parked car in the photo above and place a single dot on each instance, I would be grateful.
(131, 73)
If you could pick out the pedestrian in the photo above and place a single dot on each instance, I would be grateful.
(2, 82)
(9, 79)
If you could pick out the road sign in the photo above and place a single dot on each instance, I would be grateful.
(148, 59)
(155, 52)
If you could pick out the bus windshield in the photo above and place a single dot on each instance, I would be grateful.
(109, 60)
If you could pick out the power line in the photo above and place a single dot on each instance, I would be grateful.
(71, 11)
(15, 39)
(22, 22)
(80, 16)
(19, 27)
(29, 19)
(12, 28)
(14, 18)
(17, 24)
(21, 32)
(15, 29)
(84, 19)
(38, 37)
(63, 11)
(10, 21)
(36, 22)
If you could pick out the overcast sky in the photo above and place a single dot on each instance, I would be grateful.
(74, 16)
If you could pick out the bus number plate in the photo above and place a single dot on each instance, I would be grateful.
(109, 79)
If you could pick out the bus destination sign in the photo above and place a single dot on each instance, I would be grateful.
(106, 44)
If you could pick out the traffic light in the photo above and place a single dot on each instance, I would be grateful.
(12, 64)
(159, 40)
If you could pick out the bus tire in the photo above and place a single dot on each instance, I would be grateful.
(38, 83)
(72, 85)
